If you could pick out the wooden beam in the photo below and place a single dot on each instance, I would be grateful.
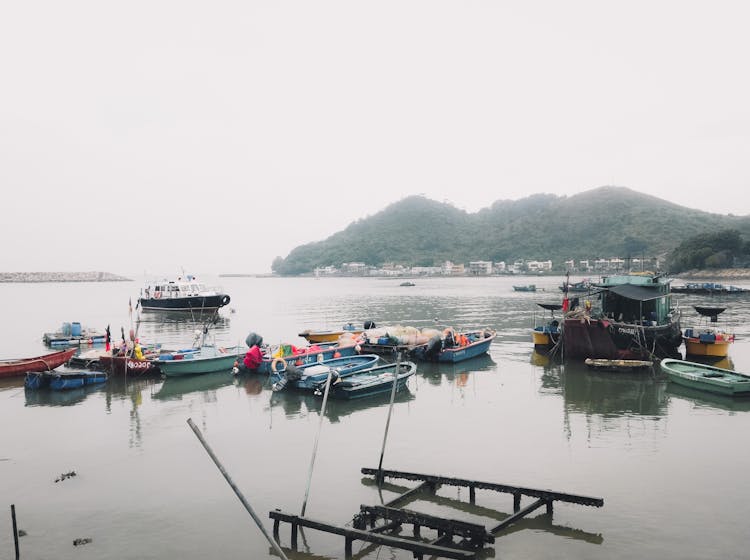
(531, 492)
(350, 535)
(518, 515)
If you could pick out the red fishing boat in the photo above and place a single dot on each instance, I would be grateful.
(22, 366)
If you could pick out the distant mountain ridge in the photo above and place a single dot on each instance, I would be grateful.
(600, 223)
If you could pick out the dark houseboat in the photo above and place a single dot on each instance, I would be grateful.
(183, 294)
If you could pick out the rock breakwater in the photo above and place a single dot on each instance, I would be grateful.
(61, 277)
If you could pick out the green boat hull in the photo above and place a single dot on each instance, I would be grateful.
(704, 377)
(201, 363)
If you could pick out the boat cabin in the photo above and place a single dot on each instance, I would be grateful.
(644, 300)
(180, 288)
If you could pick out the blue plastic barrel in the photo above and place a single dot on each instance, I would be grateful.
(66, 329)
(75, 329)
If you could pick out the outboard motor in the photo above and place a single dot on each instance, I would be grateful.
(292, 372)
(369, 324)
(254, 339)
(433, 348)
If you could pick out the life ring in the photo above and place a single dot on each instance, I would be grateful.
(225, 300)
(157, 295)
(276, 361)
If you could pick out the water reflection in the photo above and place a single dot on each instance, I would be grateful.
(300, 404)
(174, 388)
(68, 397)
(704, 399)
(612, 393)
(458, 373)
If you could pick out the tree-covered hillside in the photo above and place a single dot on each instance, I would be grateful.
(601, 223)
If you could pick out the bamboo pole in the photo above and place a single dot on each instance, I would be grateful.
(231, 483)
(15, 528)
(390, 410)
(317, 437)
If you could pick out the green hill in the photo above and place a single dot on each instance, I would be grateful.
(600, 223)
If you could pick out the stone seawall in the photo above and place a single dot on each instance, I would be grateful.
(61, 277)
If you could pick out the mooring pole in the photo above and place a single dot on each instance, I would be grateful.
(388, 421)
(15, 528)
(229, 480)
(317, 437)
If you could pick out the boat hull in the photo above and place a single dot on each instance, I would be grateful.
(596, 338)
(455, 354)
(696, 347)
(201, 362)
(373, 381)
(316, 337)
(191, 303)
(18, 368)
(265, 366)
(121, 365)
(315, 373)
(706, 378)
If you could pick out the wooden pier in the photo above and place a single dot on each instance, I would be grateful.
(449, 538)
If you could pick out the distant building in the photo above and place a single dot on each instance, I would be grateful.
(480, 268)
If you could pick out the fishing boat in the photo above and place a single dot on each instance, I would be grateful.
(546, 335)
(46, 362)
(526, 288)
(307, 377)
(407, 284)
(182, 294)
(707, 339)
(581, 286)
(636, 321)
(370, 382)
(327, 335)
(453, 347)
(63, 380)
(706, 377)
(277, 357)
(207, 359)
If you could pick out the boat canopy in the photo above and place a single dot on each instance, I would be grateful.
(637, 292)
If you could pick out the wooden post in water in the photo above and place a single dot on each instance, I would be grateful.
(15, 528)
(231, 483)
(388, 420)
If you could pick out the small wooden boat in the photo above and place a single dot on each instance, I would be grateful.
(309, 376)
(452, 347)
(318, 336)
(369, 382)
(583, 286)
(706, 377)
(62, 380)
(47, 362)
(527, 288)
(407, 284)
(707, 339)
(207, 359)
(617, 365)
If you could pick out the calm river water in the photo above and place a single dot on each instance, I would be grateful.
(671, 466)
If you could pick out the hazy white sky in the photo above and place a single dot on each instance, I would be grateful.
(213, 136)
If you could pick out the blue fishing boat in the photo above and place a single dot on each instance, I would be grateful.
(308, 376)
(62, 380)
(371, 381)
(265, 359)
(452, 347)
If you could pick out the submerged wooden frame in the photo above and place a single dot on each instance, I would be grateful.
(473, 537)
